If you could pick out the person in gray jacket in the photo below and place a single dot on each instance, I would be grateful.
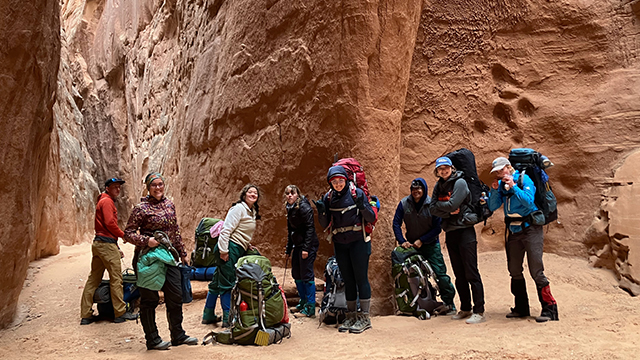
(451, 201)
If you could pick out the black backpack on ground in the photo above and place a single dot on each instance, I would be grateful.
(102, 295)
(333, 307)
(464, 160)
(532, 163)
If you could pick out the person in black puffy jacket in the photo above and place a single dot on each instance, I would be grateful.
(303, 242)
(345, 209)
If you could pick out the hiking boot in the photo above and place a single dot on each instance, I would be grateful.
(349, 321)
(363, 322)
(476, 318)
(209, 316)
(188, 340)
(124, 317)
(450, 310)
(87, 321)
(309, 310)
(515, 314)
(301, 305)
(162, 345)
(461, 315)
(549, 312)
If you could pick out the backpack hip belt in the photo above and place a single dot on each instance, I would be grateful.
(356, 227)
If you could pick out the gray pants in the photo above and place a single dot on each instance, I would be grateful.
(531, 241)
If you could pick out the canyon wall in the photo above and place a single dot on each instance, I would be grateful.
(29, 57)
(215, 94)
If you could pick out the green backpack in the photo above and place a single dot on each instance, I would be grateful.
(202, 255)
(259, 313)
(415, 286)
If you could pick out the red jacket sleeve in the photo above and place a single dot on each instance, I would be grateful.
(110, 215)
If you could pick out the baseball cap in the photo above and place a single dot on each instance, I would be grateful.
(113, 181)
(443, 161)
(499, 163)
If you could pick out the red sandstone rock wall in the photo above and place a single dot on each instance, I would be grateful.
(216, 94)
(561, 77)
(29, 56)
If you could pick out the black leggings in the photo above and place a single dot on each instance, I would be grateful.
(353, 261)
(463, 253)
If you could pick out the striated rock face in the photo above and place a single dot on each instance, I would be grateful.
(561, 77)
(216, 94)
(29, 57)
(614, 235)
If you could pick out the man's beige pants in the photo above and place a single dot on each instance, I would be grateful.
(106, 256)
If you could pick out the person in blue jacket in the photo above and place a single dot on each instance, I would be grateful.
(344, 210)
(422, 230)
(524, 235)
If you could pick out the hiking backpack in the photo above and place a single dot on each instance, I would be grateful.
(464, 160)
(202, 255)
(532, 163)
(333, 308)
(259, 314)
(102, 295)
(357, 178)
(415, 285)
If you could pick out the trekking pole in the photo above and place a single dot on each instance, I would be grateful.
(284, 276)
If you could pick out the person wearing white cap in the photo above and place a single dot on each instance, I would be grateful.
(524, 235)
(451, 201)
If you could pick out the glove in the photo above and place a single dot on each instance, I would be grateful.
(360, 202)
(319, 206)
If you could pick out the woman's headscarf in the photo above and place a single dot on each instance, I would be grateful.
(152, 176)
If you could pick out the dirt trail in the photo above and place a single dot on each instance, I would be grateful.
(598, 321)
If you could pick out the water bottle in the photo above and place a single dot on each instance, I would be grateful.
(243, 306)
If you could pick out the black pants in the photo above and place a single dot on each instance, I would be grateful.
(149, 299)
(353, 262)
(302, 269)
(463, 253)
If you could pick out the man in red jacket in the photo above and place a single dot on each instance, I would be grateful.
(106, 255)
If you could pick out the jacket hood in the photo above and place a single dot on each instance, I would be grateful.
(336, 171)
(424, 184)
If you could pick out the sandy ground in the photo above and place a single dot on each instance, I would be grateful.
(597, 321)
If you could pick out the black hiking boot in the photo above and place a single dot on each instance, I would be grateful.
(549, 306)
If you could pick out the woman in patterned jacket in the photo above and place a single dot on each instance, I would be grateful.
(156, 212)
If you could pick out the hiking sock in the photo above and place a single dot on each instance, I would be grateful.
(352, 306)
(302, 292)
(365, 304)
(310, 292)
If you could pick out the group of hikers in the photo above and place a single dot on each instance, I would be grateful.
(344, 211)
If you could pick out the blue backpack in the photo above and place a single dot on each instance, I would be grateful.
(532, 163)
